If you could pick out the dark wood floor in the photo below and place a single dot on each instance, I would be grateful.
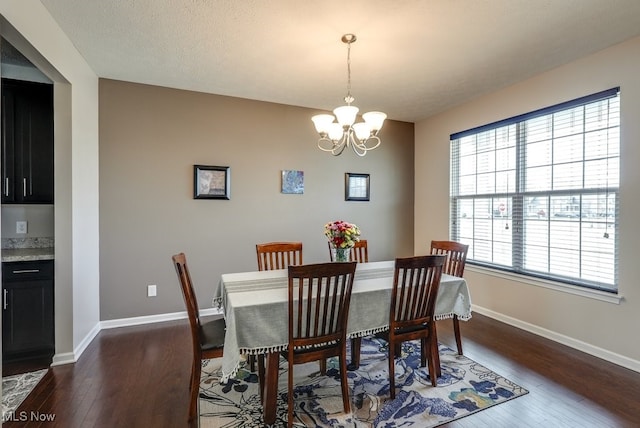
(138, 377)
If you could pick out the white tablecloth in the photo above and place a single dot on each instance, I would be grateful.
(255, 308)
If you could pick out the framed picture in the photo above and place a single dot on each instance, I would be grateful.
(292, 181)
(211, 182)
(356, 187)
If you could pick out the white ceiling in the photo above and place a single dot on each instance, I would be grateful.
(412, 59)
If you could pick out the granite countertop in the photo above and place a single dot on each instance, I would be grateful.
(27, 254)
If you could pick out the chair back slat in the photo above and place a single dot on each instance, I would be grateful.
(415, 289)
(319, 296)
(360, 252)
(456, 253)
(278, 255)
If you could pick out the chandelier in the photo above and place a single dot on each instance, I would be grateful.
(336, 136)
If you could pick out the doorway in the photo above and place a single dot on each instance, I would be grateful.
(27, 214)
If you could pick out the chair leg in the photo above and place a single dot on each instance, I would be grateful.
(346, 404)
(252, 363)
(323, 367)
(435, 352)
(194, 386)
(434, 371)
(456, 330)
(433, 355)
(290, 394)
(392, 371)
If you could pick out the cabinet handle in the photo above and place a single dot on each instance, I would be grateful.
(4, 299)
(24, 187)
(27, 271)
(6, 186)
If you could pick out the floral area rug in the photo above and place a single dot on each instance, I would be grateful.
(16, 388)
(464, 388)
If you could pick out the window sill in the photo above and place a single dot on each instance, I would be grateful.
(552, 285)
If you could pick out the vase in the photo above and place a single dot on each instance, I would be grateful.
(341, 254)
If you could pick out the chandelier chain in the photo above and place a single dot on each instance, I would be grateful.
(349, 98)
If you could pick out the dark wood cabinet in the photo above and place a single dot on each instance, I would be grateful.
(27, 142)
(27, 314)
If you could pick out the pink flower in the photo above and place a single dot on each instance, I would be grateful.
(342, 234)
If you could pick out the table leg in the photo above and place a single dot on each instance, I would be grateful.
(270, 394)
(355, 354)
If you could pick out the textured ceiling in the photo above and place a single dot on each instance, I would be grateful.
(412, 59)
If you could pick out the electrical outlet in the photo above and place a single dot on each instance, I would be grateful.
(151, 291)
(21, 227)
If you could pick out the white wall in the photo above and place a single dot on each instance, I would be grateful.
(29, 27)
(605, 329)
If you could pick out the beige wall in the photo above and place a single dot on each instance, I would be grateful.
(150, 138)
(605, 329)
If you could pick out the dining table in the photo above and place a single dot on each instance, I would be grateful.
(255, 307)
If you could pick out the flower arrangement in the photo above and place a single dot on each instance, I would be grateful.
(342, 234)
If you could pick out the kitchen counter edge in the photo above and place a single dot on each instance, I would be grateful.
(27, 254)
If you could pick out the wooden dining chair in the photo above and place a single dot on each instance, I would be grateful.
(319, 297)
(207, 338)
(456, 253)
(413, 301)
(278, 255)
(359, 252)
(272, 256)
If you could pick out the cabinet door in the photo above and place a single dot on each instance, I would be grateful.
(34, 143)
(27, 142)
(27, 322)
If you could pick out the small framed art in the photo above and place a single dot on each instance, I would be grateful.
(356, 187)
(211, 182)
(292, 181)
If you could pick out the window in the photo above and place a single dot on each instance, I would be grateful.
(537, 194)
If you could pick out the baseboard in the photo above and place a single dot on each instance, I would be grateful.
(150, 319)
(612, 357)
(65, 358)
(72, 357)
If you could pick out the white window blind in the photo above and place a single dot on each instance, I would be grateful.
(537, 194)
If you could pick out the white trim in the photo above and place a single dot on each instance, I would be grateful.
(66, 358)
(149, 319)
(612, 357)
(72, 357)
(552, 285)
